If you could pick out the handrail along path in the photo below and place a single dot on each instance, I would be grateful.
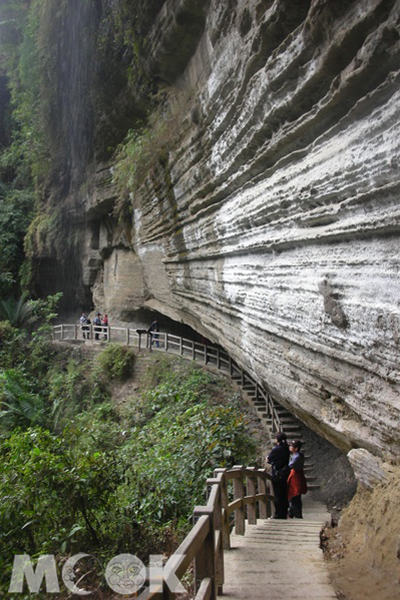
(249, 488)
(235, 496)
(207, 354)
(210, 535)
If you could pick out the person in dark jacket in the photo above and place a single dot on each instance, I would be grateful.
(278, 458)
(97, 328)
(296, 484)
(153, 331)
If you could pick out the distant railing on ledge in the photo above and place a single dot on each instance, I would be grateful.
(250, 490)
(166, 342)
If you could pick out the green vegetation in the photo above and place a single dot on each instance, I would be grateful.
(16, 208)
(22, 154)
(21, 60)
(144, 152)
(81, 472)
(51, 103)
(116, 361)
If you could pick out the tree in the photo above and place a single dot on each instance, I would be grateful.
(18, 312)
(19, 405)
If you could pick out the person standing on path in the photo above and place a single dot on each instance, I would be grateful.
(153, 331)
(279, 459)
(104, 323)
(85, 326)
(296, 483)
(97, 328)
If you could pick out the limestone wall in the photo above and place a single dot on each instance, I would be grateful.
(272, 227)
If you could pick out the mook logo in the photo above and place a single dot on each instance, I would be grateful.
(81, 574)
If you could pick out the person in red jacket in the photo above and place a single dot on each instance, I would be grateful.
(104, 323)
(296, 483)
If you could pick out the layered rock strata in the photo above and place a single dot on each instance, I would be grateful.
(271, 223)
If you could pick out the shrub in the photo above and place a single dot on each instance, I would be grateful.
(73, 389)
(110, 488)
(20, 405)
(116, 362)
(11, 345)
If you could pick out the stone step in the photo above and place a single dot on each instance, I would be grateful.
(292, 427)
(287, 418)
(291, 435)
(285, 424)
(258, 563)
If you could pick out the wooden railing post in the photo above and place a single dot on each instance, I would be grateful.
(216, 503)
(263, 504)
(209, 355)
(238, 492)
(270, 491)
(205, 563)
(219, 545)
(224, 509)
(251, 491)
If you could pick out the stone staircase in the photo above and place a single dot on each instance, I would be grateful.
(290, 425)
(280, 559)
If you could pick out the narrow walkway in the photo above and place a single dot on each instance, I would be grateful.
(279, 559)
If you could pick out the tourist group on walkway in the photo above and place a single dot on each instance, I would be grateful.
(100, 326)
(288, 479)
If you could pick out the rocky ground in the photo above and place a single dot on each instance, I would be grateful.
(363, 552)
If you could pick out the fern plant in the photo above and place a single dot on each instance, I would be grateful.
(18, 312)
(20, 406)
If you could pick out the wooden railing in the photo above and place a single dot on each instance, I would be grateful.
(251, 497)
(248, 489)
(166, 342)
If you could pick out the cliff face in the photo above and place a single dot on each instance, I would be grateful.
(271, 221)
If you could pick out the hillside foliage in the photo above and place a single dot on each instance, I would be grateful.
(81, 472)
